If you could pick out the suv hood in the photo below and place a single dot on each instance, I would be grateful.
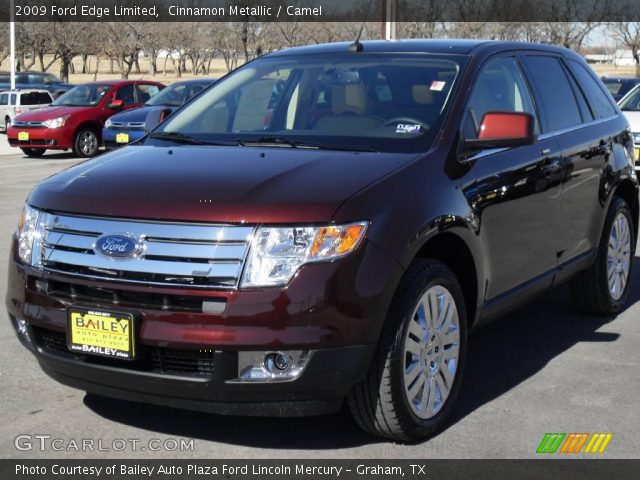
(47, 113)
(215, 184)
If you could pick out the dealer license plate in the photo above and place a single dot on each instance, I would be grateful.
(122, 138)
(99, 332)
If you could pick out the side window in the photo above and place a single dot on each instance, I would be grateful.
(145, 92)
(597, 98)
(557, 98)
(13, 100)
(3, 99)
(126, 94)
(500, 87)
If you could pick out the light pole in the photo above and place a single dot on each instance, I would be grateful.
(12, 44)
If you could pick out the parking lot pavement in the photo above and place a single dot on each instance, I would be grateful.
(542, 369)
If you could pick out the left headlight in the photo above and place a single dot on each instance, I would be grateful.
(28, 233)
(56, 122)
(278, 252)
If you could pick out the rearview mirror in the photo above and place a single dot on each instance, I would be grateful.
(155, 118)
(504, 129)
(116, 103)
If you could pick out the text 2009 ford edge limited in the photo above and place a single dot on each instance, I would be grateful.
(327, 223)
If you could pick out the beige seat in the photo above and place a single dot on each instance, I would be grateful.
(350, 112)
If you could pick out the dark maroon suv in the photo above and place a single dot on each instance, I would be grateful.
(327, 223)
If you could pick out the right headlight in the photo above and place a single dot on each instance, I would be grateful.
(28, 232)
(277, 253)
(108, 123)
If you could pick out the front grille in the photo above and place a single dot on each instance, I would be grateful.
(168, 361)
(127, 125)
(114, 298)
(32, 124)
(170, 253)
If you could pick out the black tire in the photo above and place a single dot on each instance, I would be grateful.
(379, 403)
(7, 125)
(86, 143)
(590, 288)
(34, 152)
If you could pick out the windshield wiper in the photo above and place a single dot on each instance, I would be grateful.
(275, 142)
(178, 137)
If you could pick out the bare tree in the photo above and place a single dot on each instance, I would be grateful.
(628, 34)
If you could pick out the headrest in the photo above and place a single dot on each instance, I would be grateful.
(422, 94)
(349, 98)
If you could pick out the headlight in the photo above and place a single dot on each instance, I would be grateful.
(108, 123)
(56, 122)
(28, 233)
(278, 252)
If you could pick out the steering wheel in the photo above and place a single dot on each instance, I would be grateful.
(410, 120)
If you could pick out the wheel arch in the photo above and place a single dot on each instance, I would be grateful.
(628, 191)
(88, 124)
(452, 250)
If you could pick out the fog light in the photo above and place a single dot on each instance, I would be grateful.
(23, 330)
(271, 366)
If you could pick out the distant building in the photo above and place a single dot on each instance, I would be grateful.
(623, 57)
(599, 58)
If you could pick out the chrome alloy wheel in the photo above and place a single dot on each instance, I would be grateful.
(88, 143)
(431, 350)
(619, 256)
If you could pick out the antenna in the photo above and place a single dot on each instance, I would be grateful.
(357, 46)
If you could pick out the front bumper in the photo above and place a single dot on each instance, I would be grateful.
(54, 139)
(109, 137)
(333, 309)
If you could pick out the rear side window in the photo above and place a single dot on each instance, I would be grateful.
(145, 92)
(556, 97)
(35, 98)
(500, 87)
(3, 99)
(13, 99)
(599, 100)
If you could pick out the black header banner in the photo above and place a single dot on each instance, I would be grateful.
(320, 10)
(321, 469)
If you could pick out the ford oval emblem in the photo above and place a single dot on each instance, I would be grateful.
(117, 246)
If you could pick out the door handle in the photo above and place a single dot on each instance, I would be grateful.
(545, 151)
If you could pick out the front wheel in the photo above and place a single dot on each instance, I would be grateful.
(7, 124)
(33, 152)
(415, 376)
(86, 143)
(603, 289)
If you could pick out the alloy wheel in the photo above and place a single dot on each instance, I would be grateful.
(88, 143)
(619, 256)
(431, 351)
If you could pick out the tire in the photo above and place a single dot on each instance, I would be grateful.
(86, 143)
(33, 152)
(388, 403)
(7, 125)
(591, 290)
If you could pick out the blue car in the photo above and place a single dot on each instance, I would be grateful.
(129, 126)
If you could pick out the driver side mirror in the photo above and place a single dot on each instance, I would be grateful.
(155, 118)
(116, 103)
(504, 129)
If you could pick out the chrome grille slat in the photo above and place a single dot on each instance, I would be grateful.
(171, 254)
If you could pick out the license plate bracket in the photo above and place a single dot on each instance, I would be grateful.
(101, 332)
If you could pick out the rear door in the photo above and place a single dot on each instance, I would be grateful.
(585, 143)
(516, 194)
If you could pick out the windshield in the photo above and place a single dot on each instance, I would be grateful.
(631, 103)
(350, 101)
(176, 94)
(613, 85)
(83, 96)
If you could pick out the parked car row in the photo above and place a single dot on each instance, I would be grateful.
(35, 81)
(88, 115)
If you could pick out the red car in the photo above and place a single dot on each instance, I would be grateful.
(75, 120)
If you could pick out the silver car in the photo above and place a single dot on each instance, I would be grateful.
(15, 102)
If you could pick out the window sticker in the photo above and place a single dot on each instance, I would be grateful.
(408, 128)
(437, 86)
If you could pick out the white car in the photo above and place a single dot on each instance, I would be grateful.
(630, 106)
(15, 102)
